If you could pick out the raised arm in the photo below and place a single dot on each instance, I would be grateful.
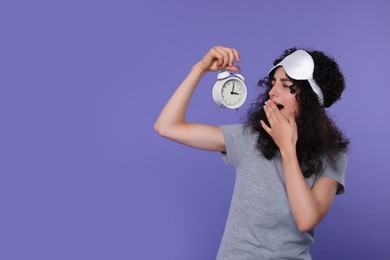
(172, 123)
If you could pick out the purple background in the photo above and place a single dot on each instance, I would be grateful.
(84, 175)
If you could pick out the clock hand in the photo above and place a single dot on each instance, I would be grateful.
(232, 89)
(234, 93)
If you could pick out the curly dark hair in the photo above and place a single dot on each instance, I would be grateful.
(317, 133)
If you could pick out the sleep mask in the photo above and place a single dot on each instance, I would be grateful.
(299, 65)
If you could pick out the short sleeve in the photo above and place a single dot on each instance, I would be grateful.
(233, 137)
(335, 168)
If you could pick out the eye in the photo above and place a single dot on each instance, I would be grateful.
(293, 88)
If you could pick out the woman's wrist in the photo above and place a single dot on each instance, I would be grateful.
(288, 152)
(198, 68)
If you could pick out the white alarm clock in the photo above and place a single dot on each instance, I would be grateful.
(229, 91)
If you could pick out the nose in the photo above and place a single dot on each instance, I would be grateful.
(273, 92)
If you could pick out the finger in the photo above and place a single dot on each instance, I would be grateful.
(225, 54)
(292, 119)
(215, 54)
(268, 114)
(231, 57)
(236, 54)
(231, 54)
(265, 127)
(226, 61)
(235, 68)
(274, 110)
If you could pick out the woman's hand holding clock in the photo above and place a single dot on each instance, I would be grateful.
(219, 58)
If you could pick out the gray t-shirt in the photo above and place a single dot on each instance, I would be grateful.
(260, 224)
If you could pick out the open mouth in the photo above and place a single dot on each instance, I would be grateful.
(279, 106)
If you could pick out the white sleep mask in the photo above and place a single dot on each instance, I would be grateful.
(299, 65)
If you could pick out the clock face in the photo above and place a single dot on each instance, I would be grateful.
(232, 92)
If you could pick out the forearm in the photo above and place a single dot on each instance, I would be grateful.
(175, 110)
(304, 206)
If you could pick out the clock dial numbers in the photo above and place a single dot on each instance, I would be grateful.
(229, 90)
(232, 92)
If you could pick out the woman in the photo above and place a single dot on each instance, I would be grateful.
(289, 156)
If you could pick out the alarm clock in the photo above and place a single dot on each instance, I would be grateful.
(229, 91)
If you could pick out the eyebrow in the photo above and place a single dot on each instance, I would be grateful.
(286, 79)
(283, 79)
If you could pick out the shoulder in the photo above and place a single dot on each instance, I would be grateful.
(336, 161)
(232, 128)
(238, 140)
(238, 129)
(335, 167)
(239, 133)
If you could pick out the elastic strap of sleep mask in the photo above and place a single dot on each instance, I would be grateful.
(299, 65)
